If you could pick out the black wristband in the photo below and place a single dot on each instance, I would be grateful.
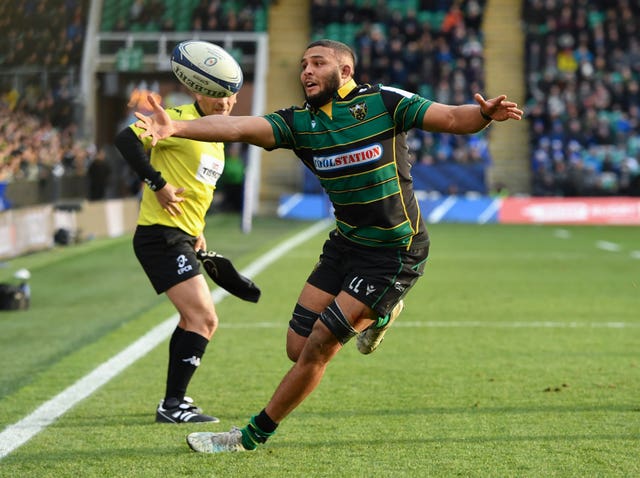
(486, 117)
(157, 183)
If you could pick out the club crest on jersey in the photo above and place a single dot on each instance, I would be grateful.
(358, 111)
(354, 157)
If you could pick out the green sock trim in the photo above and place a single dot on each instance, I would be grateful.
(382, 321)
(253, 435)
(247, 441)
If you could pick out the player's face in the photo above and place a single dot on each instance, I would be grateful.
(320, 75)
(216, 106)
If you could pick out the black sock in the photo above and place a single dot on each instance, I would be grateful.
(177, 335)
(185, 359)
(265, 423)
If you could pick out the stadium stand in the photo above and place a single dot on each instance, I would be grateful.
(434, 48)
(183, 15)
(582, 70)
(583, 96)
(40, 54)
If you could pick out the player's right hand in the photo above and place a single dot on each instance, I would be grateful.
(158, 126)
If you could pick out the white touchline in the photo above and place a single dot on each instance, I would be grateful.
(22, 431)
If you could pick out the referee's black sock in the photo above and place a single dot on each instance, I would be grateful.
(185, 359)
(177, 335)
(258, 430)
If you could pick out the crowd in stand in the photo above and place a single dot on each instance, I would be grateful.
(42, 33)
(402, 45)
(32, 148)
(40, 53)
(583, 82)
(582, 71)
(213, 16)
(207, 15)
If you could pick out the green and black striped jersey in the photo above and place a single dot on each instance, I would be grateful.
(356, 146)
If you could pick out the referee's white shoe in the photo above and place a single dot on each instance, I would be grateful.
(182, 412)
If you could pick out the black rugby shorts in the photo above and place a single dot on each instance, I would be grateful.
(377, 276)
(166, 255)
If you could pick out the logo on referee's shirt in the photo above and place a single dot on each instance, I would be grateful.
(358, 111)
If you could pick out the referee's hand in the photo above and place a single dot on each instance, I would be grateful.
(169, 199)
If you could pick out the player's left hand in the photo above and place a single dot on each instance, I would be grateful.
(499, 109)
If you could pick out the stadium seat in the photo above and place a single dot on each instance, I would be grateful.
(260, 20)
(349, 32)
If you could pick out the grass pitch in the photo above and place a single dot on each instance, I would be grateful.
(516, 355)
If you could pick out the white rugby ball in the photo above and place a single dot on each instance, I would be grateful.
(206, 68)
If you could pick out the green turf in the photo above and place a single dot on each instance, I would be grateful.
(507, 361)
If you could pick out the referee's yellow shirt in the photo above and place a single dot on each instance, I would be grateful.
(193, 165)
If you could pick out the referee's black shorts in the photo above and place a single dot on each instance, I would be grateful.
(377, 276)
(166, 255)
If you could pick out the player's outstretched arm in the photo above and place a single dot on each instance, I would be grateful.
(499, 109)
(467, 119)
(219, 128)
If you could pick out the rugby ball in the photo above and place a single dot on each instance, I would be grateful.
(206, 69)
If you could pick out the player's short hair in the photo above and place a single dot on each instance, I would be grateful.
(341, 49)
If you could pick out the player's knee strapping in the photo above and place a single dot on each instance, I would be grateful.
(302, 320)
(337, 323)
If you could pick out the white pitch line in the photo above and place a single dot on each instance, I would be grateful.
(562, 234)
(602, 245)
(608, 246)
(14, 436)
